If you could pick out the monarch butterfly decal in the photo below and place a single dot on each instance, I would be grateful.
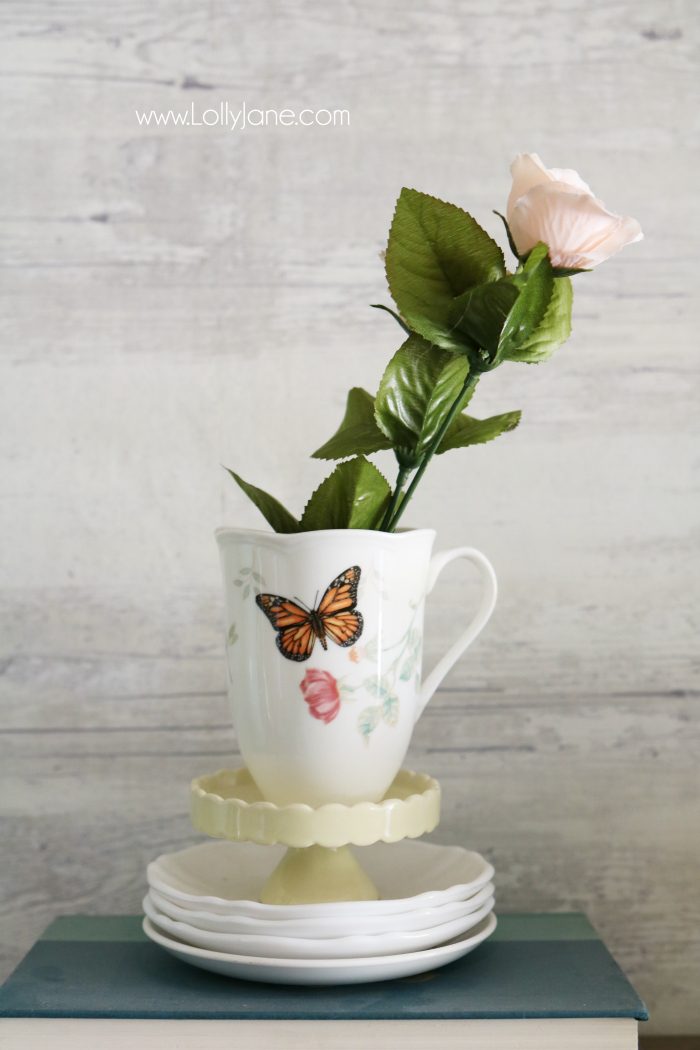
(298, 627)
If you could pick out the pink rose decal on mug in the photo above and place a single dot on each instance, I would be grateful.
(321, 692)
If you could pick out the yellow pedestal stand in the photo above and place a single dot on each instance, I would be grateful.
(318, 865)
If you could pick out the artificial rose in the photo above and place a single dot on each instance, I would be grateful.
(555, 206)
(321, 693)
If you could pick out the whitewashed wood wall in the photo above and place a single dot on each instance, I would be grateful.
(177, 299)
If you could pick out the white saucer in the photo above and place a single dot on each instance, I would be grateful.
(325, 926)
(391, 942)
(226, 878)
(326, 971)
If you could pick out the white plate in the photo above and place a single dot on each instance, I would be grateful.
(326, 971)
(226, 878)
(328, 926)
(358, 947)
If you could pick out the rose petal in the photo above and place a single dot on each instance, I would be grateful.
(624, 231)
(570, 178)
(551, 214)
(577, 228)
(527, 170)
(320, 691)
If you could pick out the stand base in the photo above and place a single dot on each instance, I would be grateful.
(318, 866)
(317, 875)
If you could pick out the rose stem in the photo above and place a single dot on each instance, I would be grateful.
(396, 496)
(469, 382)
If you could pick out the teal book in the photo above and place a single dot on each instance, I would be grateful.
(540, 980)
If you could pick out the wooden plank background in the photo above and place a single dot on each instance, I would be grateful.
(178, 298)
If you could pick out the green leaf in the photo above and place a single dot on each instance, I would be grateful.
(568, 271)
(511, 243)
(465, 430)
(417, 390)
(554, 330)
(354, 496)
(435, 252)
(446, 390)
(368, 720)
(501, 315)
(392, 313)
(390, 709)
(482, 312)
(271, 509)
(370, 650)
(536, 285)
(373, 686)
(358, 433)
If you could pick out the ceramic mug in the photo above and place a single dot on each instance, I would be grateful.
(324, 652)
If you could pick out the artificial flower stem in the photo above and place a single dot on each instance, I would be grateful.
(469, 383)
(401, 478)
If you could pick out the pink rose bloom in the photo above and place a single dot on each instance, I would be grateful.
(555, 206)
(321, 693)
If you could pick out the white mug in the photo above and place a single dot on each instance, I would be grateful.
(324, 652)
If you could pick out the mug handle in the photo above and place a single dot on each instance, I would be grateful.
(488, 600)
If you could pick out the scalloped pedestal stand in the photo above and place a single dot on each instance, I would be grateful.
(318, 866)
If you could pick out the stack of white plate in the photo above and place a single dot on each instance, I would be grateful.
(436, 905)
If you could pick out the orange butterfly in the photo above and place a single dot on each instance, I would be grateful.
(336, 617)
